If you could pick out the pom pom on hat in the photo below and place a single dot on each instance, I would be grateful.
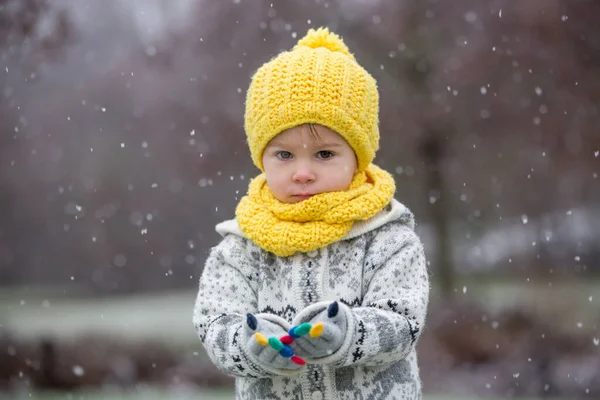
(321, 37)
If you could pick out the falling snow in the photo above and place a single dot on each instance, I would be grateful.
(78, 370)
(125, 144)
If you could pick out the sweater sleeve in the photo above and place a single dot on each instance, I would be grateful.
(386, 326)
(227, 291)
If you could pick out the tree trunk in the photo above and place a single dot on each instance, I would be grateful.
(432, 152)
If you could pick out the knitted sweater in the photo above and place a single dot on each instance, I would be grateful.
(377, 272)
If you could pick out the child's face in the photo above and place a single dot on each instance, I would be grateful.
(307, 160)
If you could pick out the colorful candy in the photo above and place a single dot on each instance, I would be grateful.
(275, 343)
(316, 330)
(286, 352)
(300, 330)
(282, 345)
(287, 339)
(261, 339)
(297, 360)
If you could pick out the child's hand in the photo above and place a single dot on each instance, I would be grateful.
(326, 335)
(269, 344)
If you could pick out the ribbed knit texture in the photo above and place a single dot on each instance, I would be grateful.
(319, 82)
(287, 228)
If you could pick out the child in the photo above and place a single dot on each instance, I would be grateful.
(319, 287)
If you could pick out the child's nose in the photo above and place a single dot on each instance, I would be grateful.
(304, 175)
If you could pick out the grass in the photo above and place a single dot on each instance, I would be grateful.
(149, 394)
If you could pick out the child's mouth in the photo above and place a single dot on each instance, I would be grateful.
(302, 196)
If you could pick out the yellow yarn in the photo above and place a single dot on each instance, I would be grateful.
(287, 228)
(320, 82)
(323, 38)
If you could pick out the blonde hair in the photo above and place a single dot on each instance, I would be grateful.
(314, 133)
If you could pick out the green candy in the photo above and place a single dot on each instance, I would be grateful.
(275, 343)
(302, 329)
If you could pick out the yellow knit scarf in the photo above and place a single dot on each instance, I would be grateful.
(286, 228)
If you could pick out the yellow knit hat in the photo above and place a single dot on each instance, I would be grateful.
(320, 82)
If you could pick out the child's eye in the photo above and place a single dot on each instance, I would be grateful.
(324, 154)
(284, 155)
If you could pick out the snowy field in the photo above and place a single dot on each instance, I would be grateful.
(167, 317)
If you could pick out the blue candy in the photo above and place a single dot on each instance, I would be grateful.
(286, 352)
(292, 333)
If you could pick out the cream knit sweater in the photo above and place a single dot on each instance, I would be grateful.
(377, 273)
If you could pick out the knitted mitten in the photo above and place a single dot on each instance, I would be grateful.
(327, 333)
(263, 343)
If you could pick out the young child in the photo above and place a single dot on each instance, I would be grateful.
(318, 289)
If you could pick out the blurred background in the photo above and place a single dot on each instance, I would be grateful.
(122, 145)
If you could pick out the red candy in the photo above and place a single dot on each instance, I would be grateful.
(297, 360)
(287, 340)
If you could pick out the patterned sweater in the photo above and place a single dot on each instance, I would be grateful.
(378, 274)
